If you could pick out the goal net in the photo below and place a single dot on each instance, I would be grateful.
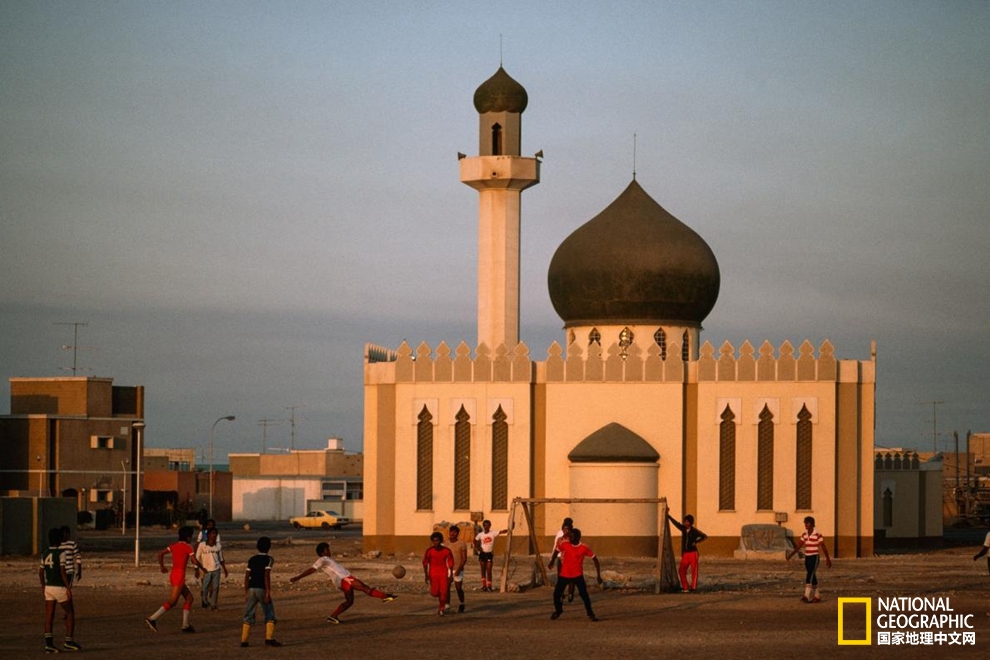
(534, 521)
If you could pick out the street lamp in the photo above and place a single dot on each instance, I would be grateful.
(229, 418)
(138, 433)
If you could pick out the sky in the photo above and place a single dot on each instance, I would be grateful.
(236, 196)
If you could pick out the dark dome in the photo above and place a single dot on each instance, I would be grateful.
(500, 93)
(633, 263)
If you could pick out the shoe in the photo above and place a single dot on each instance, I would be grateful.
(214, 609)
(188, 629)
(555, 616)
(333, 619)
(593, 617)
(684, 591)
(816, 599)
(440, 613)
(389, 598)
(272, 642)
(152, 624)
(50, 648)
(71, 646)
(205, 604)
(460, 608)
(804, 599)
(244, 645)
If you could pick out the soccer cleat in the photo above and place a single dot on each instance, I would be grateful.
(272, 642)
(70, 645)
(816, 599)
(188, 629)
(51, 649)
(244, 645)
(440, 613)
(333, 619)
(460, 608)
(152, 624)
(593, 617)
(555, 616)
(804, 599)
(389, 598)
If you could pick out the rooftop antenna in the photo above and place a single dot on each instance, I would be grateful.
(75, 341)
(264, 424)
(292, 426)
(634, 156)
(934, 405)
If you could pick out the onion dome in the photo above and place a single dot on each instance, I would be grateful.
(500, 93)
(613, 443)
(633, 263)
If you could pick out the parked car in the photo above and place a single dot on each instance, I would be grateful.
(319, 520)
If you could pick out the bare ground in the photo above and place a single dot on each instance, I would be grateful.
(742, 609)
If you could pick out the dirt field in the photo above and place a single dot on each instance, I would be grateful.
(743, 609)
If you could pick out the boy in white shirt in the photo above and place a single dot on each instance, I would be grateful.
(342, 579)
(210, 555)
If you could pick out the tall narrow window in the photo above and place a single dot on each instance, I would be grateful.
(496, 140)
(424, 461)
(594, 337)
(500, 461)
(727, 462)
(660, 337)
(764, 462)
(888, 508)
(685, 347)
(462, 460)
(803, 480)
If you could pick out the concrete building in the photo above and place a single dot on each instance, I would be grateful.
(71, 437)
(279, 486)
(907, 497)
(630, 404)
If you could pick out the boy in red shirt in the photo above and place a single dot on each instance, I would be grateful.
(438, 566)
(182, 554)
(571, 571)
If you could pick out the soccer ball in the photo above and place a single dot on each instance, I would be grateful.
(247, 527)
(399, 572)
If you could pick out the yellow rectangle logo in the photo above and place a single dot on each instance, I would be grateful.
(869, 612)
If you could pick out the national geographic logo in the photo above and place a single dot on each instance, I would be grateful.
(905, 621)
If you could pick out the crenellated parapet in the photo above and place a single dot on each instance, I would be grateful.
(615, 363)
(896, 460)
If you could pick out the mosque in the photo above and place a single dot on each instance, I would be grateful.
(631, 404)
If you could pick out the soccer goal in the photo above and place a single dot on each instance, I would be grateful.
(527, 512)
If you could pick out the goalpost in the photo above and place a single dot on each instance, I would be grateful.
(665, 572)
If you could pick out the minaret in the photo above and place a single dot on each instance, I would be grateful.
(499, 174)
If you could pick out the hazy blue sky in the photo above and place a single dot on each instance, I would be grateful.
(236, 196)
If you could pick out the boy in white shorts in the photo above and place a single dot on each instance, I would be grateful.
(342, 579)
(55, 585)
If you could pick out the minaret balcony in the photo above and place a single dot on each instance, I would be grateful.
(500, 172)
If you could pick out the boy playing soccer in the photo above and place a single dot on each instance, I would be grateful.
(342, 579)
(484, 543)
(258, 591)
(55, 587)
(813, 542)
(182, 554)
(572, 554)
(210, 556)
(458, 548)
(438, 564)
(73, 557)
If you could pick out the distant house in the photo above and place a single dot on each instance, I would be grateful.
(279, 486)
(176, 487)
(71, 437)
(907, 497)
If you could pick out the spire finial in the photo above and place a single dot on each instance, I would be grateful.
(634, 156)
(500, 50)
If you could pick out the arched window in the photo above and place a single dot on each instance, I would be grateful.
(594, 337)
(888, 508)
(685, 347)
(424, 461)
(500, 461)
(764, 467)
(462, 460)
(660, 337)
(727, 462)
(803, 480)
(496, 140)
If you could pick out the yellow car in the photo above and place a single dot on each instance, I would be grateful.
(319, 520)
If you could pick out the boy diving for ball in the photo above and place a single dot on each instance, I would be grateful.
(342, 579)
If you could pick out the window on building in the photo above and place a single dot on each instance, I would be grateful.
(424, 461)
(685, 347)
(462, 460)
(497, 140)
(500, 461)
(764, 467)
(660, 337)
(594, 337)
(97, 495)
(803, 480)
(101, 441)
(355, 490)
(332, 490)
(888, 508)
(727, 462)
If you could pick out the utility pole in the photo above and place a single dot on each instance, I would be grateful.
(75, 341)
(934, 405)
(264, 424)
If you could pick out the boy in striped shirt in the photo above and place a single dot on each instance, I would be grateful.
(813, 543)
